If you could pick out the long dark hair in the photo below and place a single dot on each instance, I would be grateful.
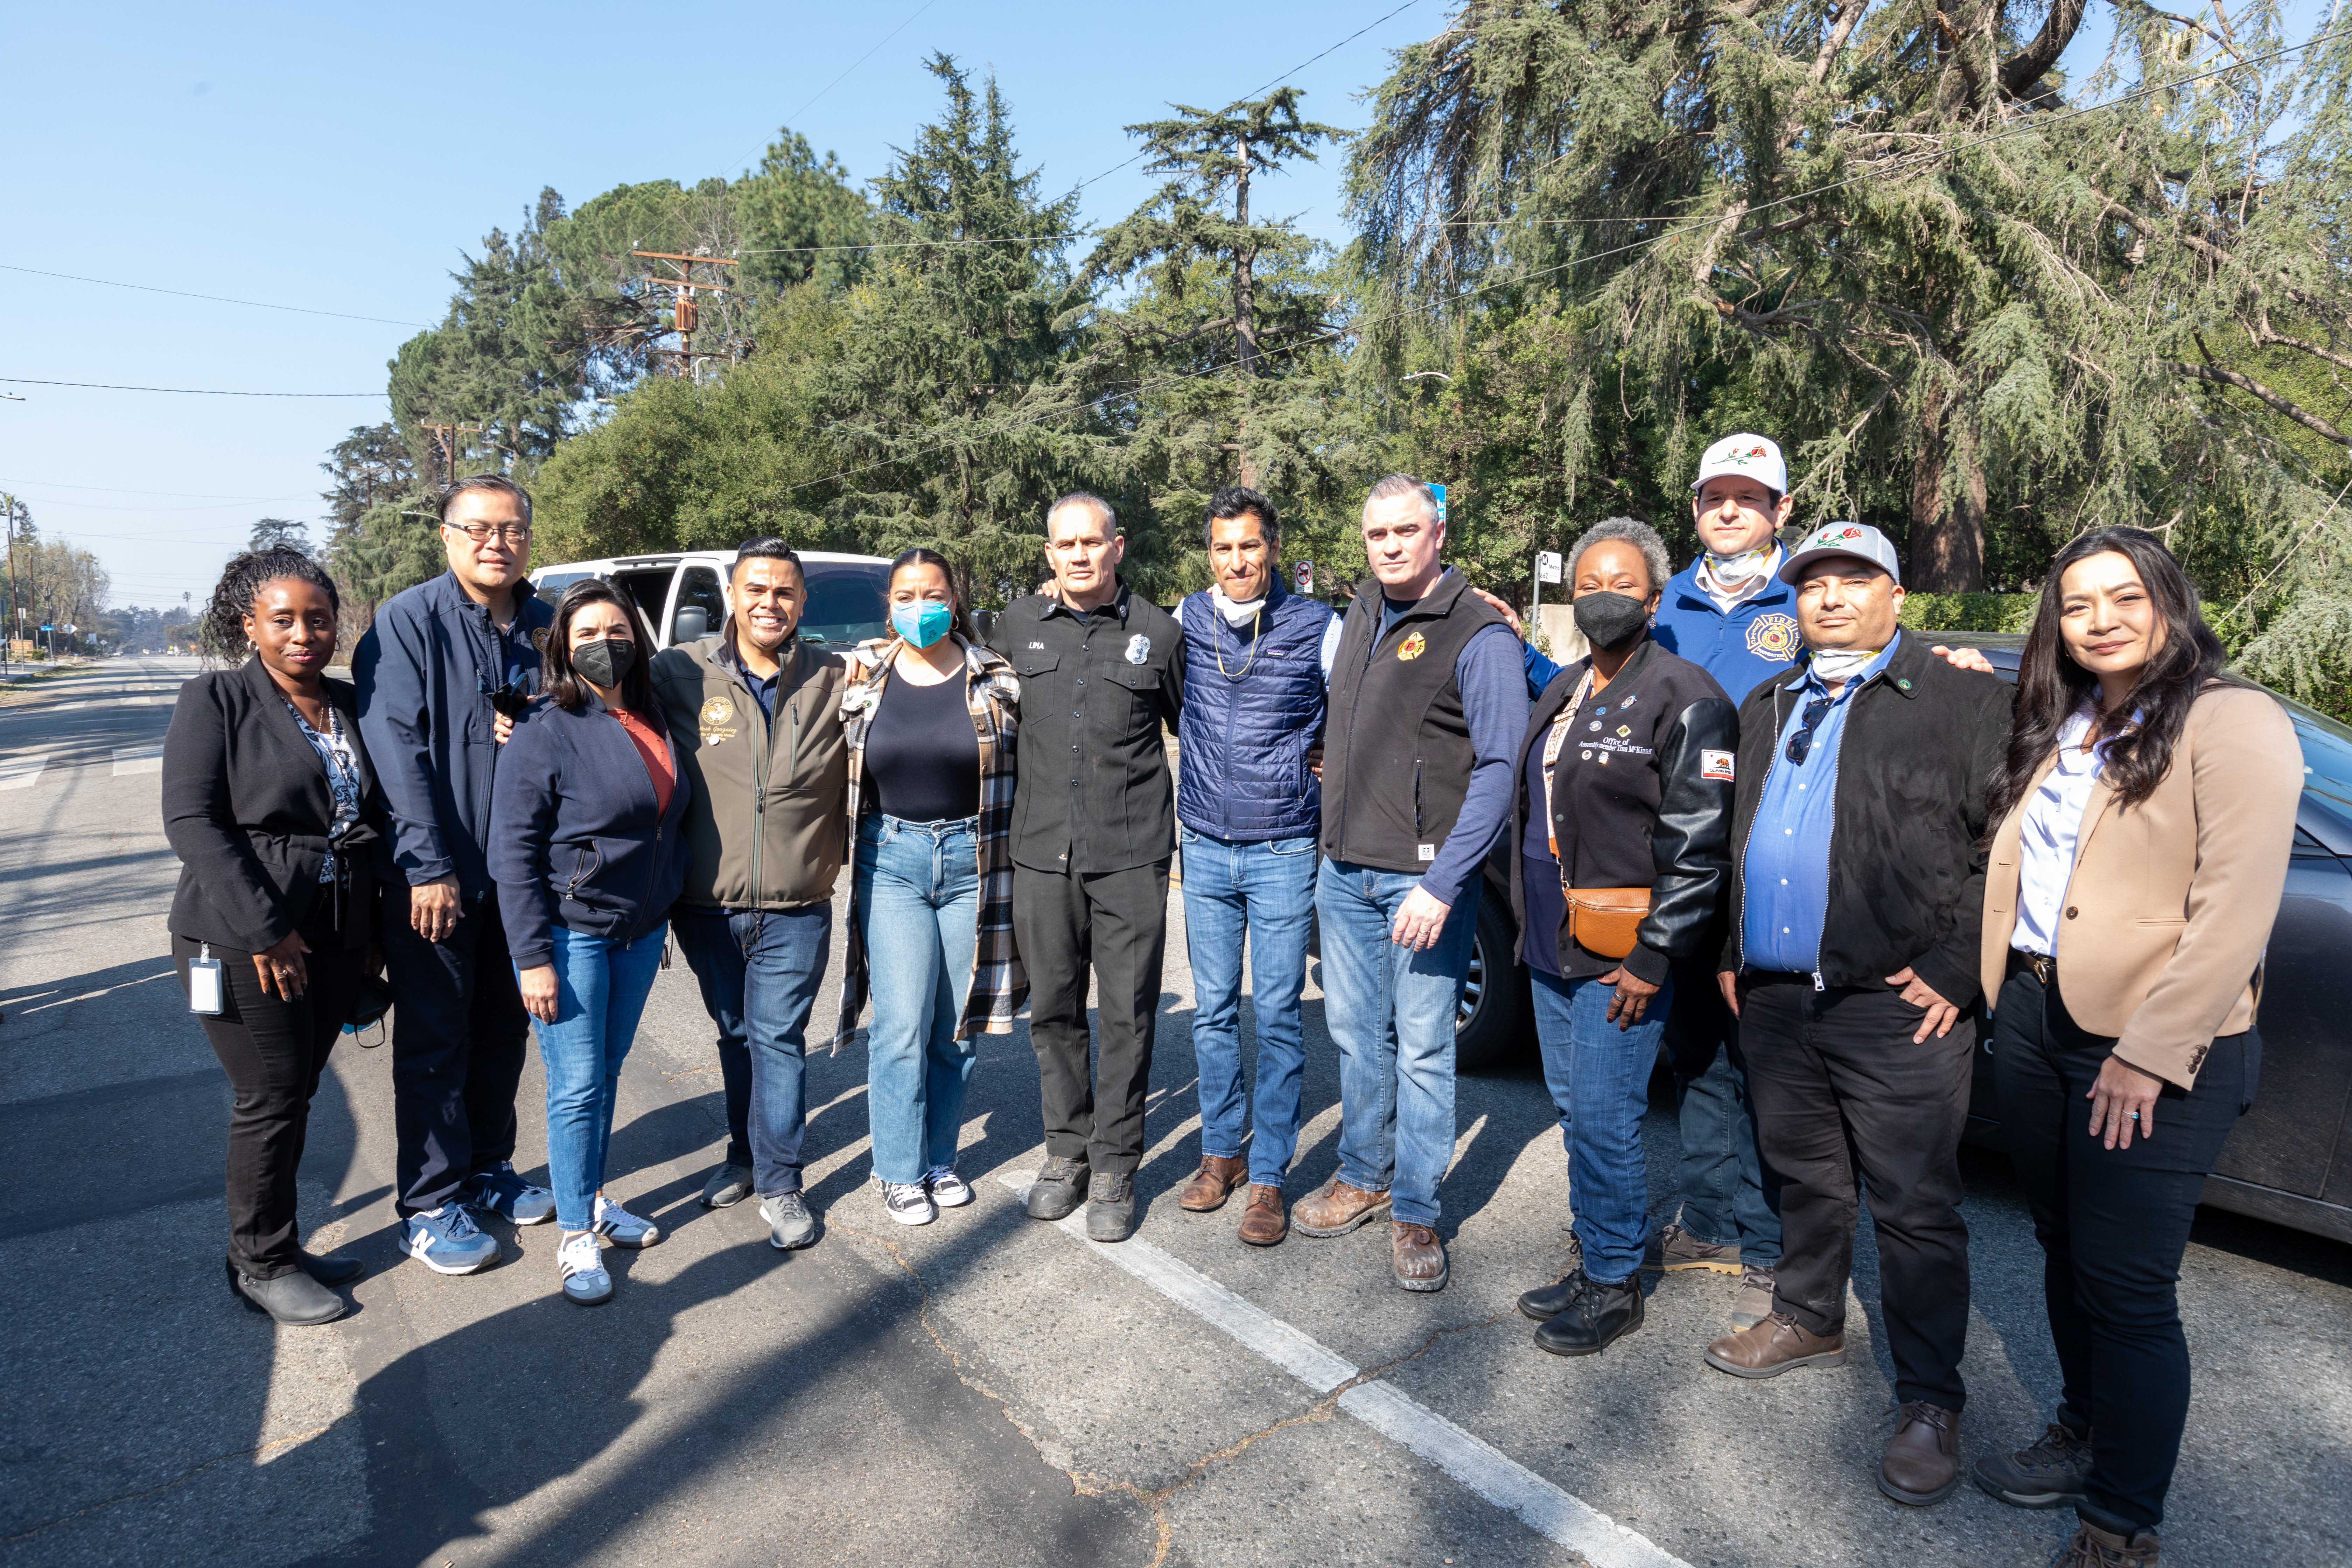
(561, 682)
(958, 620)
(2051, 685)
(221, 626)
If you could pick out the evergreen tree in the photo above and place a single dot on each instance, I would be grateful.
(279, 533)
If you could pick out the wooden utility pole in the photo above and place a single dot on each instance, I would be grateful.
(686, 313)
(446, 438)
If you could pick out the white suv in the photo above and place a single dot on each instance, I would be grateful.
(682, 594)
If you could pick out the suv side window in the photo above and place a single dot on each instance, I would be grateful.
(698, 589)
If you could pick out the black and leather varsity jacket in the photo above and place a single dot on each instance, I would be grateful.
(1641, 797)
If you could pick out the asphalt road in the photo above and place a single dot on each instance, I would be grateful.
(985, 1389)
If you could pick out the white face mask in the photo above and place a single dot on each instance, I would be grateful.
(1731, 570)
(1841, 663)
(1236, 614)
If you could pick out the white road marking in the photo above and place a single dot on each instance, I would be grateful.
(137, 759)
(1548, 1509)
(137, 701)
(22, 772)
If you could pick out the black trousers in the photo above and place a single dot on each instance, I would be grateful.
(1114, 923)
(2114, 1224)
(274, 1052)
(1839, 1090)
(458, 1042)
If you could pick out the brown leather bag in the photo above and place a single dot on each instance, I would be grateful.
(1604, 920)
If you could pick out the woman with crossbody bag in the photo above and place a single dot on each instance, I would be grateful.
(1620, 860)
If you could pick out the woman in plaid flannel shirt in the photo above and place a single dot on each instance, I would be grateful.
(930, 810)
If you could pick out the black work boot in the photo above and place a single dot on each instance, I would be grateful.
(2052, 1471)
(1595, 1316)
(1059, 1190)
(1546, 1301)
(295, 1299)
(1110, 1207)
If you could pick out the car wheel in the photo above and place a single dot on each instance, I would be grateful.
(1487, 1025)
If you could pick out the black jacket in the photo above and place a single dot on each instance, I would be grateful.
(246, 808)
(1907, 855)
(1094, 792)
(1655, 814)
(577, 838)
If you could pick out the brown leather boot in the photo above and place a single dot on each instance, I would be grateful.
(1217, 1177)
(1922, 1462)
(2095, 1547)
(1263, 1224)
(1777, 1345)
(1335, 1208)
(1418, 1255)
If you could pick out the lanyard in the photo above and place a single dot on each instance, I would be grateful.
(1553, 743)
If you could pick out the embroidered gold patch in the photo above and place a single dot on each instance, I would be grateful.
(717, 712)
(539, 639)
(1412, 646)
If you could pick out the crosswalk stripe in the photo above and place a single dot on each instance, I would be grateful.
(22, 772)
(137, 759)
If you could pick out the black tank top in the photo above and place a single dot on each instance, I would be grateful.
(922, 752)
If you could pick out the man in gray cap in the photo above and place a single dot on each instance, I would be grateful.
(1857, 829)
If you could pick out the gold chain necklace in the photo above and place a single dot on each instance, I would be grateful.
(1256, 642)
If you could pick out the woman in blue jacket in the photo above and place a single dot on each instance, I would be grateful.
(585, 849)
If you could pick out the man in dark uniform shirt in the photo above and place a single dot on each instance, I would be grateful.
(1094, 827)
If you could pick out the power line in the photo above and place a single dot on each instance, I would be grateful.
(1906, 164)
(216, 299)
(192, 391)
(126, 490)
(836, 81)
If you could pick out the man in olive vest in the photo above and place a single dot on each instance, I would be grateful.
(757, 715)
(1428, 701)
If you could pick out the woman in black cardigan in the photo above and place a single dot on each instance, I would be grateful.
(269, 801)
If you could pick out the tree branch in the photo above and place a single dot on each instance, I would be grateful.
(2025, 68)
(2287, 407)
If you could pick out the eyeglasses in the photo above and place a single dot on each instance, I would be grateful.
(1801, 743)
(482, 532)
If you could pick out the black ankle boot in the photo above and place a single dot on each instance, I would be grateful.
(295, 1298)
(1595, 1315)
(333, 1268)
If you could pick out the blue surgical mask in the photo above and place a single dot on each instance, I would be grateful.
(921, 622)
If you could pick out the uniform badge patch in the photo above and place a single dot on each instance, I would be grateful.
(1624, 729)
(1412, 646)
(539, 638)
(1714, 765)
(1630, 701)
(1773, 637)
(1139, 648)
(1037, 645)
(717, 712)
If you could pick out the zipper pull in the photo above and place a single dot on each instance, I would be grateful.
(1817, 981)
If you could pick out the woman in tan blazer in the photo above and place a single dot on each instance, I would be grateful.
(2146, 809)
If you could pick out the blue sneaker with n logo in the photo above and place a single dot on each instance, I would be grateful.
(509, 1197)
(446, 1241)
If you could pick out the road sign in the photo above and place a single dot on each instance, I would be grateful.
(1547, 565)
(1307, 576)
(1439, 492)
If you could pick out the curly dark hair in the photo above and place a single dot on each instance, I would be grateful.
(222, 625)
(2051, 685)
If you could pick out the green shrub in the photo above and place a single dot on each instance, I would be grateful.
(1970, 612)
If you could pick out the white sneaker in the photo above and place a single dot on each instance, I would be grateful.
(581, 1262)
(620, 1227)
(908, 1203)
(948, 1190)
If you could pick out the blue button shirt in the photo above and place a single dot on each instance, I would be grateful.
(1786, 874)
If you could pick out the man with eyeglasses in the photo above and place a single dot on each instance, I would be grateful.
(1857, 827)
(441, 676)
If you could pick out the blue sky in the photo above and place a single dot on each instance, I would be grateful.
(340, 157)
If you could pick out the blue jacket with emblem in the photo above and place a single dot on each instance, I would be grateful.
(1252, 710)
(1755, 642)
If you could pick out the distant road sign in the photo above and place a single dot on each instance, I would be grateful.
(1547, 565)
(1439, 492)
(1307, 576)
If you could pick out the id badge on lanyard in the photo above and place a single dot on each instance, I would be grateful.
(1554, 744)
(204, 991)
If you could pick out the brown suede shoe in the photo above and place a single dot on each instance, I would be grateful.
(1263, 1223)
(2095, 1547)
(1777, 1345)
(1922, 1463)
(1217, 1177)
(1419, 1256)
(1335, 1208)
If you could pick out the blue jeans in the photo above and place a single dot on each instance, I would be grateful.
(1265, 892)
(600, 992)
(918, 897)
(1391, 1011)
(759, 971)
(1728, 1196)
(1599, 1076)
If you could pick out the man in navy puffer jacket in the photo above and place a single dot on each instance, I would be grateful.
(1248, 806)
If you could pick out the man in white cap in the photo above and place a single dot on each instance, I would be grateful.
(1857, 830)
